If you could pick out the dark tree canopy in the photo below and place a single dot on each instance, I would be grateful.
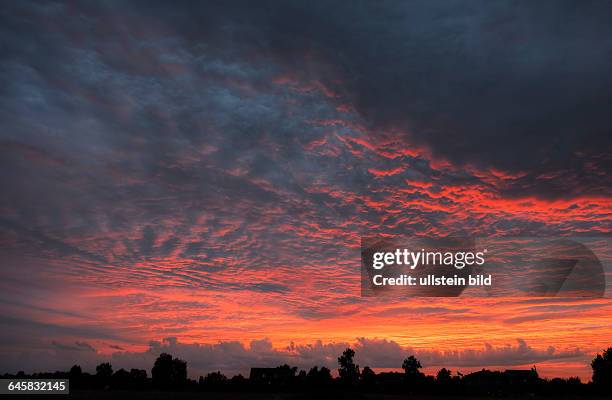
(104, 370)
(75, 371)
(443, 376)
(168, 371)
(348, 371)
(602, 368)
(368, 376)
(411, 366)
(319, 377)
(138, 375)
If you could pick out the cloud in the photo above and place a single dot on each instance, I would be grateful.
(77, 346)
(508, 355)
(236, 357)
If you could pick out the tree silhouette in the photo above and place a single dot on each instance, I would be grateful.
(411, 367)
(348, 371)
(214, 380)
(602, 369)
(325, 375)
(75, 372)
(121, 379)
(443, 377)
(104, 371)
(301, 375)
(368, 377)
(284, 375)
(138, 376)
(168, 371)
(238, 381)
(319, 377)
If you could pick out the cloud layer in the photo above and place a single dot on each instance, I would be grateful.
(206, 172)
(235, 357)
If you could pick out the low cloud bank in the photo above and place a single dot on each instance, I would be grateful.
(235, 357)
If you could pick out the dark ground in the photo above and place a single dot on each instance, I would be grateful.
(138, 395)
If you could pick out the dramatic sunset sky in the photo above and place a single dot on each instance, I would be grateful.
(196, 177)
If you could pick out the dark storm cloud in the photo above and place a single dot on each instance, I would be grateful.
(519, 86)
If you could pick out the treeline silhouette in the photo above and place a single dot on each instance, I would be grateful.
(170, 373)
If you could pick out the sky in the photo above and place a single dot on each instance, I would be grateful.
(196, 177)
